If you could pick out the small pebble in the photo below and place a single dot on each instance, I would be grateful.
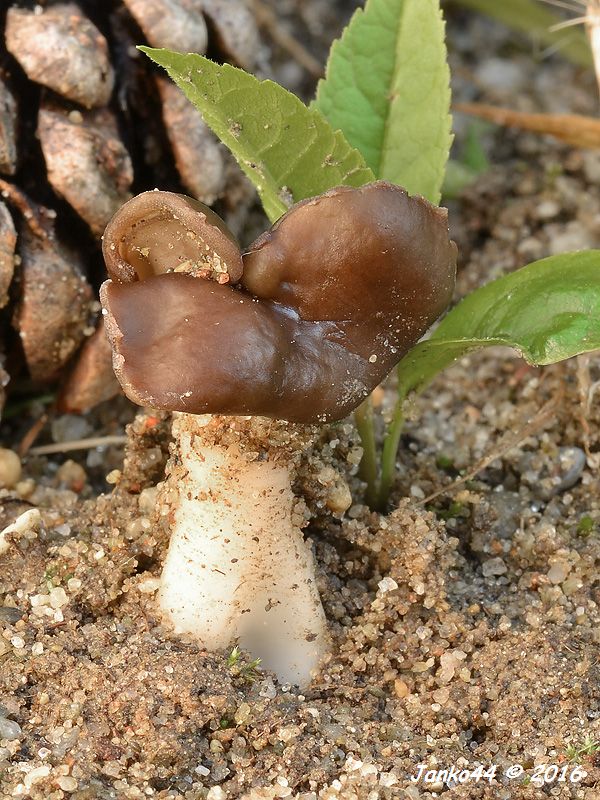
(137, 527)
(10, 468)
(558, 572)
(147, 500)
(548, 209)
(387, 585)
(591, 165)
(113, 477)
(573, 236)
(70, 427)
(388, 779)
(72, 475)
(441, 696)
(25, 488)
(9, 729)
(36, 775)
(242, 714)
(533, 619)
(493, 566)
(58, 597)
(339, 498)
(572, 462)
(24, 524)
(67, 783)
(149, 585)
(10, 614)
(267, 689)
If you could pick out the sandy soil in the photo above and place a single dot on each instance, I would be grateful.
(466, 624)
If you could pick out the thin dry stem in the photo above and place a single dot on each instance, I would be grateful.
(575, 129)
(33, 433)
(79, 444)
(567, 23)
(574, 5)
(592, 26)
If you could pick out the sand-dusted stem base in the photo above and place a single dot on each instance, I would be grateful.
(238, 568)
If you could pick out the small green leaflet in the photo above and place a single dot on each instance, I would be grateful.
(288, 151)
(548, 311)
(387, 88)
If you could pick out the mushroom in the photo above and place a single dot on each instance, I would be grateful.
(298, 330)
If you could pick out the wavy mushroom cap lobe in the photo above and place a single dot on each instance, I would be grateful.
(367, 258)
(159, 232)
(351, 253)
(330, 299)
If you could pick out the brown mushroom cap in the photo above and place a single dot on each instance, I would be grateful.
(339, 256)
(158, 232)
(330, 299)
(368, 258)
(212, 348)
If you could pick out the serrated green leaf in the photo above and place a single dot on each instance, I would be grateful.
(548, 311)
(288, 151)
(529, 16)
(387, 88)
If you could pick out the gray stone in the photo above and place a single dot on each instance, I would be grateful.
(9, 729)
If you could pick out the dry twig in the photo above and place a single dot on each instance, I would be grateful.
(79, 444)
(575, 129)
(33, 432)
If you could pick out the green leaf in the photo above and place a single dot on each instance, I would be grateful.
(387, 88)
(548, 311)
(288, 151)
(529, 16)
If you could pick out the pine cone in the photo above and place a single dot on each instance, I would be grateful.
(85, 121)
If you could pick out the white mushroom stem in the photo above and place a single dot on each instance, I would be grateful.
(238, 568)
